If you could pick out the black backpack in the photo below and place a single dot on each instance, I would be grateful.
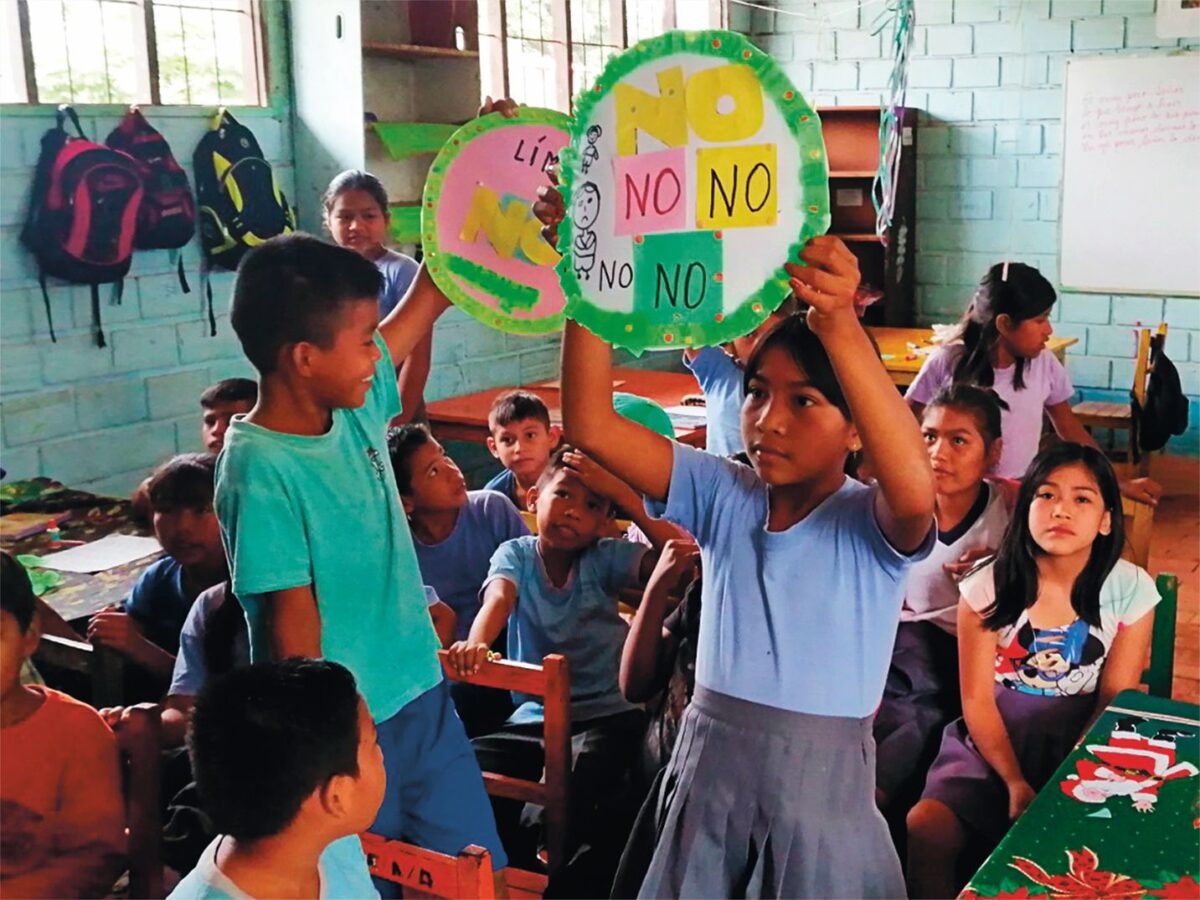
(167, 217)
(83, 211)
(241, 206)
(1166, 409)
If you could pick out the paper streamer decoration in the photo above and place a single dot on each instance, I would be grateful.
(695, 170)
(482, 244)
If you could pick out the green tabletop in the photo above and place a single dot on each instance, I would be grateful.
(1118, 819)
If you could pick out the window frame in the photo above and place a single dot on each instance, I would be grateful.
(493, 41)
(269, 52)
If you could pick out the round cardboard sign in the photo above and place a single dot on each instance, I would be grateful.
(482, 244)
(695, 170)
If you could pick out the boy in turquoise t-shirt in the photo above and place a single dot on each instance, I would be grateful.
(320, 551)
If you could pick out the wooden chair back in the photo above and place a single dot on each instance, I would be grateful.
(1139, 522)
(140, 742)
(104, 668)
(1160, 674)
(424, 873)
(552, 682)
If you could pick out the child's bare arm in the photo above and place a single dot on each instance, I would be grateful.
(977, 675)
(633, 453)
(1123, 667)
(293, 622)
(499, 600)
(889, 433)
(120, 632)
(412, 320)
(445, 621)
(600, 480)
(414, 374)
(648, 643)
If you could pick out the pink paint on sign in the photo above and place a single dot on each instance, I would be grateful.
(651, 192)
(484, 211)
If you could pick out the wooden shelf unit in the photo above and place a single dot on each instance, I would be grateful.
(413, 52)
(852, 144)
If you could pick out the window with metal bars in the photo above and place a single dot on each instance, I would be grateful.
(544, 52)
(159, 52)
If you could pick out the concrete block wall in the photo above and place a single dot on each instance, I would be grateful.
(988, 76)
(103, 418)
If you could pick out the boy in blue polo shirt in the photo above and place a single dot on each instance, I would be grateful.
(320, 552)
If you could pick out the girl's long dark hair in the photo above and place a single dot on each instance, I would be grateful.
(224, 626)
(1013, 289)
(1015, 570)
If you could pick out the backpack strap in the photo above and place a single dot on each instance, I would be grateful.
(100, 342)
(183, 282)
(64, 112)
(212, 319)
(46, 300)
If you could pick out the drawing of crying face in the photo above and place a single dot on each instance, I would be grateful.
(585, 207)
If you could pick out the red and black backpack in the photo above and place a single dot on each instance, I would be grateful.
(83, 213)
(167, 217)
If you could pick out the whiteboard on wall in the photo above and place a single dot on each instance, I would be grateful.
(1130, 218)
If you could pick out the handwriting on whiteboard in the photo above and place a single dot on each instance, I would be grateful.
(1125, 120)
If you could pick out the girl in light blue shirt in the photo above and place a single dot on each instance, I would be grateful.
(770, 790)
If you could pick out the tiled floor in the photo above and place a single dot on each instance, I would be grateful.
(1175, 547)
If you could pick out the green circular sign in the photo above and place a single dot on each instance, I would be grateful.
(695, 170)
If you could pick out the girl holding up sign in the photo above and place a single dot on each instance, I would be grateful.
(770, 791)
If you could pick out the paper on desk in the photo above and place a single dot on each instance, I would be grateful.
(687, 416)
(106, 553)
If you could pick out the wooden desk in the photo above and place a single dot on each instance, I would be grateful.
(1065, 847)
(81, 596)
(893, 343)
(465, 418)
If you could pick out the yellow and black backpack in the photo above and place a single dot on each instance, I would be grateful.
(240, 203)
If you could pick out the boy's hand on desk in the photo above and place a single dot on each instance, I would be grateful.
(116, 630)
(827, 282)
(506, 106)
(466, 657)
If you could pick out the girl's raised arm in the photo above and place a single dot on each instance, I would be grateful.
(635, 454)
(889, 432)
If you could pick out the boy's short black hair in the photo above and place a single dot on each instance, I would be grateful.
(16, 592)
(184, 481)
(292, 289)
(230, 390)
(264, 737)
(516, 406)
(556, 463)
(402, 443)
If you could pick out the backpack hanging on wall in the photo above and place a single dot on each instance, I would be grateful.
(1165, 412)
(83, 212)
(167, 217)
(241, 205)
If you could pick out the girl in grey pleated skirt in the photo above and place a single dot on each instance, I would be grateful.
(764, 802)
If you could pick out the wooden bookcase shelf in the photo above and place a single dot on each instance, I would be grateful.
(852, 144)
(413, 52)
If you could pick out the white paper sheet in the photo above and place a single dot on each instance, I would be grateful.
(106, 553)
(687, 416)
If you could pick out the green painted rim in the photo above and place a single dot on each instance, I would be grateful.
(634, 331)
(443, 265)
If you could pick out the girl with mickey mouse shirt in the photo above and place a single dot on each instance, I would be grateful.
(1049, 631)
